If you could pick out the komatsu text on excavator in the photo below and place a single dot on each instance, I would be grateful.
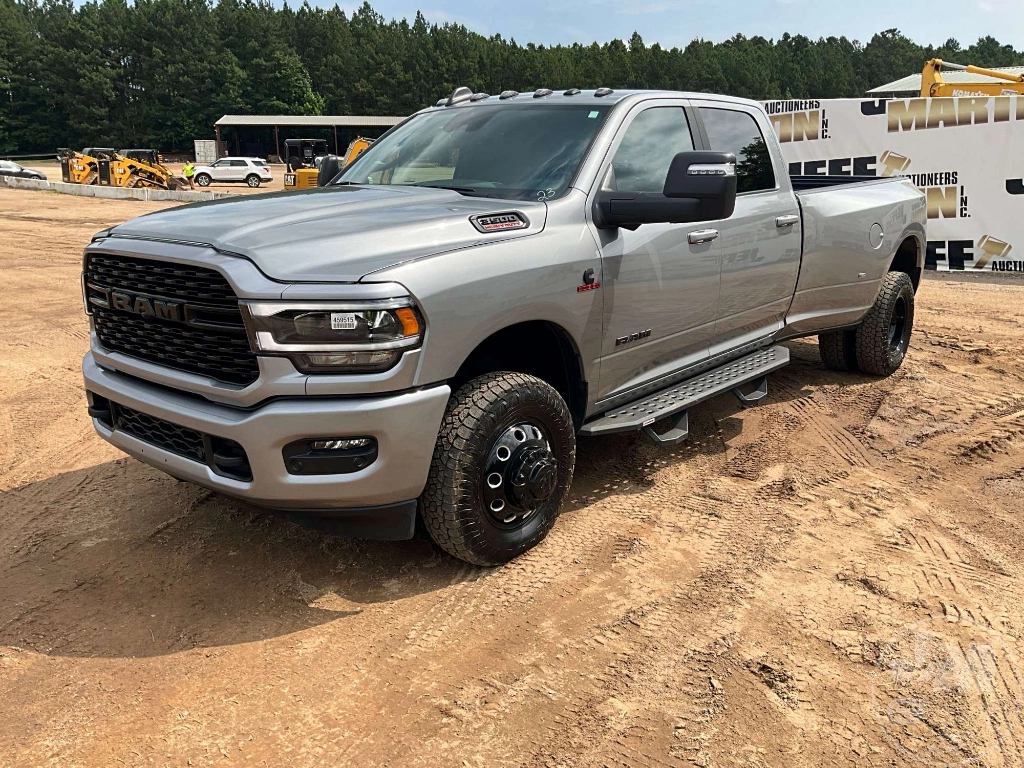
(933, 86)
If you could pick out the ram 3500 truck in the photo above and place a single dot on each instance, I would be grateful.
(427, 335)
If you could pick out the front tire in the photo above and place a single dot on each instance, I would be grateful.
(252, 180)
(501, 469)
(884, 334)
(203, 179)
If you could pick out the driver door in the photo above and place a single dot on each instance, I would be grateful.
(661, 291)
(218, 170)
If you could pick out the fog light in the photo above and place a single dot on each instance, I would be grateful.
(329, 455)
(339, 445)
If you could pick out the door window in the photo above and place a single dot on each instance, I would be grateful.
(643, 158)
(238, 163)
(737, 132)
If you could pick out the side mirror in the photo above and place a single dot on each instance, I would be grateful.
(330, 167)
(709, 177)
(700, 186)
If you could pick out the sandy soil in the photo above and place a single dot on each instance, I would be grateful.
(834, 578)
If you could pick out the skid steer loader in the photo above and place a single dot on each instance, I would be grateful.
(82, 167)
(138, 168)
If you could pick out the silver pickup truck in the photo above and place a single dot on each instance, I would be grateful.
(426, 335)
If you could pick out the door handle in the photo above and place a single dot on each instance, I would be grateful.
(786, 221)
(702, 236)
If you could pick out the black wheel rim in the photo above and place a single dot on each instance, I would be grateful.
(520, 475)
(898, 328)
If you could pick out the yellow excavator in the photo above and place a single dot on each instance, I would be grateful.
(132, 168)
(933, 86)
(304, 165)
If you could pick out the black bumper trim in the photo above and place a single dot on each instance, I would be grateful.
(388, 522)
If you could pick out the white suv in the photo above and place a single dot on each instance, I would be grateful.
(250, 170)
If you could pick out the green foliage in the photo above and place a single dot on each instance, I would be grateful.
(160, 72)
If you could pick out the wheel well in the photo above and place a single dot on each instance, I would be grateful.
(536, 348)
(907, 260)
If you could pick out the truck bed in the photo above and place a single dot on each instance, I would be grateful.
(851, 229)
(808, 183)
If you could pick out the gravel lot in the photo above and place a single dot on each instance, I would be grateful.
(834, 578)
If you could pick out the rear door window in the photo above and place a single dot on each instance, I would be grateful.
(737, 132)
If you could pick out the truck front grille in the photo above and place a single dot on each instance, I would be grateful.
(199, 330)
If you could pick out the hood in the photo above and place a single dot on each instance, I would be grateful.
(333, 234)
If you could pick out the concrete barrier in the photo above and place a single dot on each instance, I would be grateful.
(111, 193)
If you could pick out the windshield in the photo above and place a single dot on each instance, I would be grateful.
(513, 152)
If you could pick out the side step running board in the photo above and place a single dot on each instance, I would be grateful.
(676, 401)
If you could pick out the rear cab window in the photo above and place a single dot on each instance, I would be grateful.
(737, 132)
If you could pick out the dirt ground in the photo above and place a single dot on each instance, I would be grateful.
(834, 578)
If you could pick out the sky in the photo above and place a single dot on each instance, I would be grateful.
(677, 22)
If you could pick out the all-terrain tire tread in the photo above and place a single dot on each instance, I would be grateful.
(873, 333)
(467, 426)
(838, 350)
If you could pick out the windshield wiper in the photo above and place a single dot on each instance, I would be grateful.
(460, 190)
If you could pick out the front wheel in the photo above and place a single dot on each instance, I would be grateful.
(203, 179)
(501, 469)
(252, 180)
(884, 334)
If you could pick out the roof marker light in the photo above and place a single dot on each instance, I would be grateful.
(540, 93)
(508, 94)
(572, 92)
(603, 92)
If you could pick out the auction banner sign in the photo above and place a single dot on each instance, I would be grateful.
(965, 154)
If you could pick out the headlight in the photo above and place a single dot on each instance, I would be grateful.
(346, 337)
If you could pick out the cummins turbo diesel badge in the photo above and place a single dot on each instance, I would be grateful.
(495, 222)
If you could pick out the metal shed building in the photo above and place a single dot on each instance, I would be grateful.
(366, 124)
(910, 86)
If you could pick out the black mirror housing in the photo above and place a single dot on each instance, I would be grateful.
(330, 167)
(700, 186)
(709, 177)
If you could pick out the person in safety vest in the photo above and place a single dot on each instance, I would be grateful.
(189, 170)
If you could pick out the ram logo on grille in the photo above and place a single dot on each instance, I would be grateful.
(497, 222)
(138, 305)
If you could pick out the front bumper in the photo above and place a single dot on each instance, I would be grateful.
(405, 425)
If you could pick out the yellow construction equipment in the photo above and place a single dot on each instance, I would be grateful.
(81, 167)
(302, 158)
(304, 163)
(932, 84)
(106, 167)
(138, 168)
(359, 145)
